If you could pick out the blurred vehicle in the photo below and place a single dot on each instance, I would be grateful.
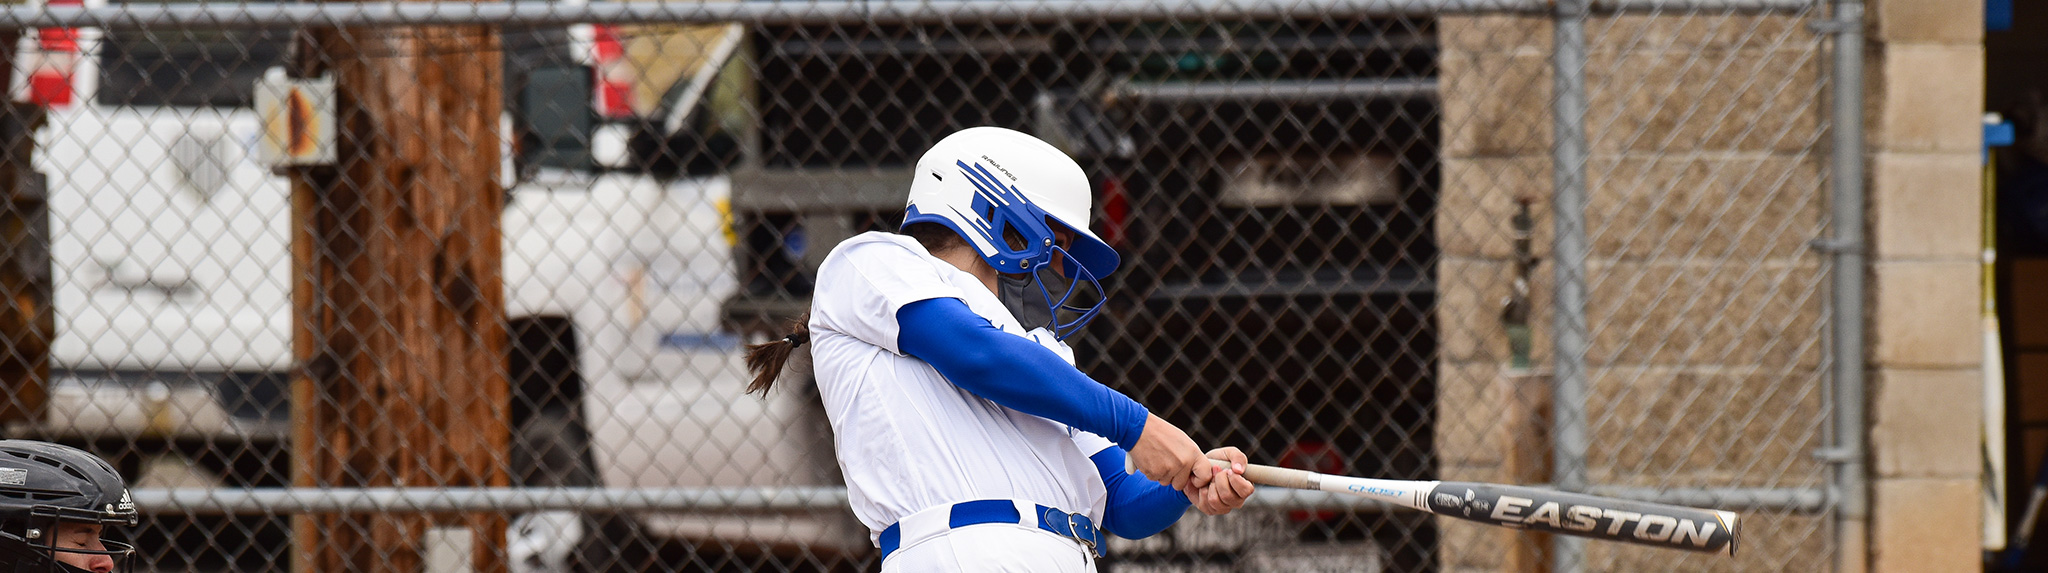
(171, 272)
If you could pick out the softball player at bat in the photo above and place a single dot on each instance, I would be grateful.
(968, 440)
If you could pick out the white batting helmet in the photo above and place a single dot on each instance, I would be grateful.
(1000, 190)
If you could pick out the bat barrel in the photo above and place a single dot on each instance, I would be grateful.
(1565, 513)
(1627, 521)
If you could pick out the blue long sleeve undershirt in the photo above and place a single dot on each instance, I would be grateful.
(1019, 374)
(1013, 371)
(1138, 507)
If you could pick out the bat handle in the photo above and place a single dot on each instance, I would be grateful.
(1276, 477)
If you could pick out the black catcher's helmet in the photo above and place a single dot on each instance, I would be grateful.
(42, 484)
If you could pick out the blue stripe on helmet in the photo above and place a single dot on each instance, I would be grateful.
(987, 183)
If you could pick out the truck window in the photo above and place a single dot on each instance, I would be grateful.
(547, 92)
(196, 68)
(838, 99)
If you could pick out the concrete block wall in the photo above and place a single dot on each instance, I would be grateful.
(1496, 84)
(1926, 94)
(1702, 176)
(1705, 302)
(1495, 79)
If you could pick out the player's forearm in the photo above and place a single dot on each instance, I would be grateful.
(1138, 507)
(1013, 371)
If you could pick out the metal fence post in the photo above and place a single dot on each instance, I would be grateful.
(1847, 244)
(1568, 208)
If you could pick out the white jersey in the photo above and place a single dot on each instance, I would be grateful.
(907, 438)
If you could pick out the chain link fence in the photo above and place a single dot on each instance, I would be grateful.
(464, 287)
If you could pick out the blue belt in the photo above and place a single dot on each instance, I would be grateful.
(1069, 525)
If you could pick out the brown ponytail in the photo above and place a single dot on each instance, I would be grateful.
(766, 359)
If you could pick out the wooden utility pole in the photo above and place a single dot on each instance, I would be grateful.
(27, 323)
(397, 299)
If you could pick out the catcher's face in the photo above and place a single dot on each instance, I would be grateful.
(81, 536)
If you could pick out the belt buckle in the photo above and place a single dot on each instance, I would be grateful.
(1075, 524)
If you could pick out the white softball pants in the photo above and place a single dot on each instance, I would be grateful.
(992, 548)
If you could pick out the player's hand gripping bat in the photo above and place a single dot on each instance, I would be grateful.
(1692, 529)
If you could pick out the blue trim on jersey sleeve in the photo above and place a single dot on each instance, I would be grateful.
(1014, 371)
(1138, 507)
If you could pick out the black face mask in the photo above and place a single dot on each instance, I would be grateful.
(1023, 299)
(1032, 302)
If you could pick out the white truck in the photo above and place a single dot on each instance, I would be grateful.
(172, 278)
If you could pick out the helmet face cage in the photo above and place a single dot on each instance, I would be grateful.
(1075, 306)
(1015, 236)
(41, 537)
(122, 554)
